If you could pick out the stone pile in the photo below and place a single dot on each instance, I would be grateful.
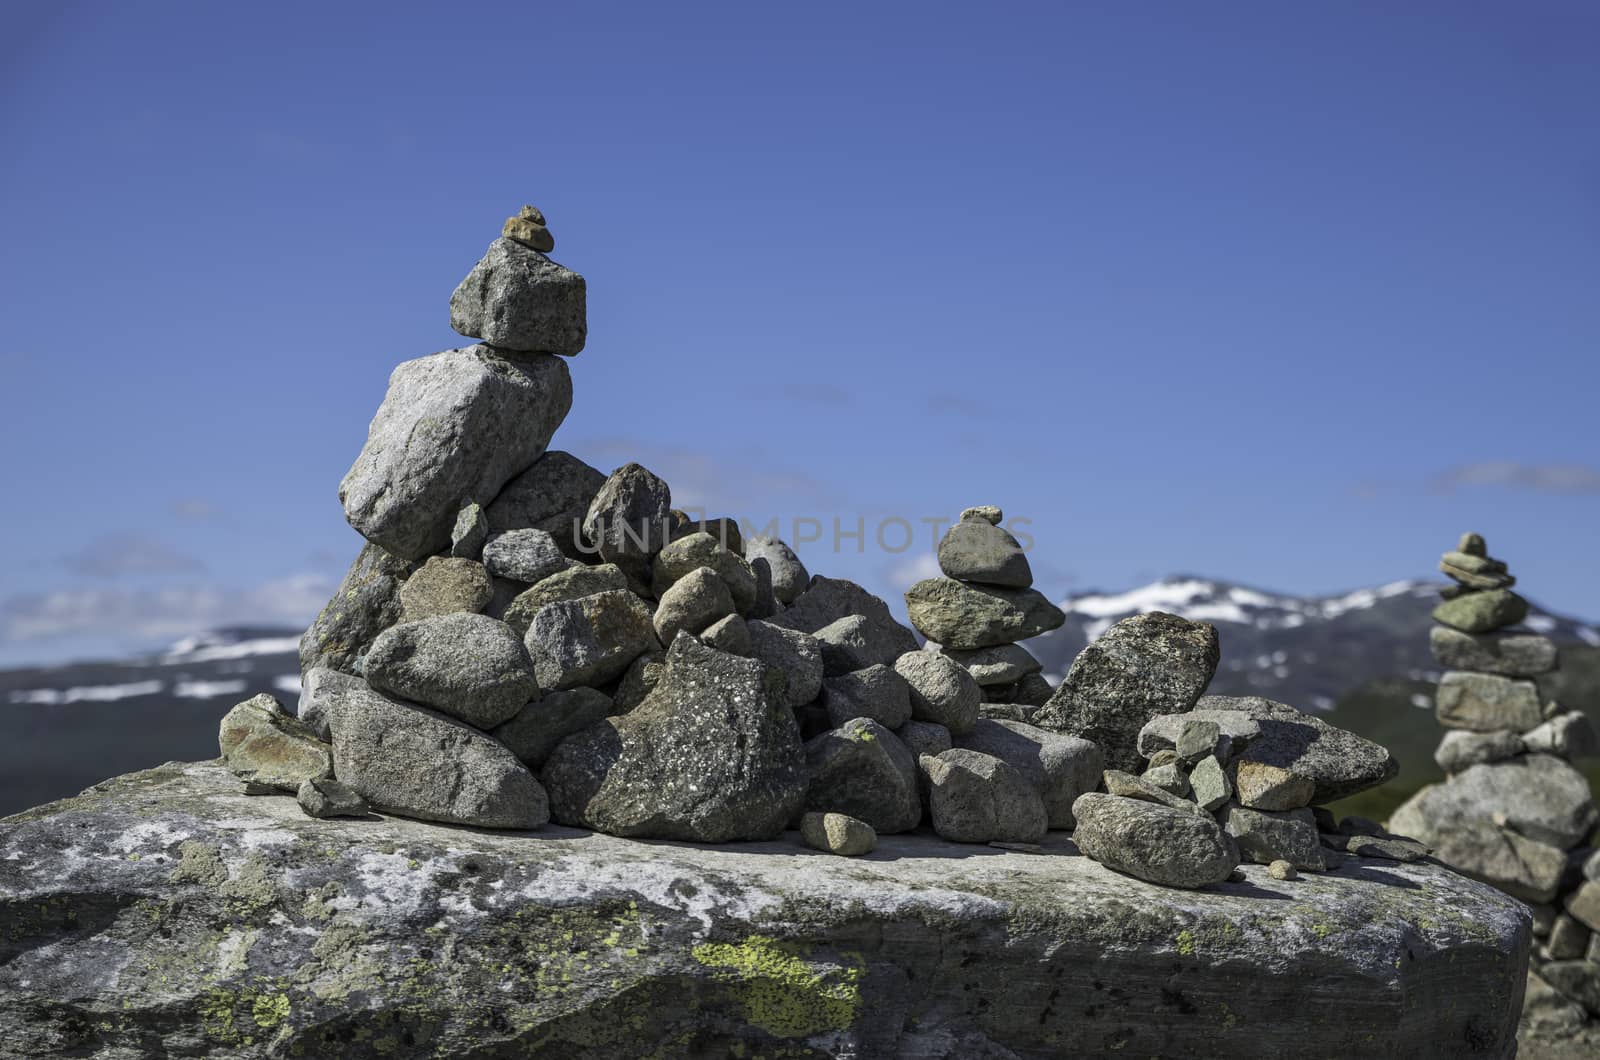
(1513, 812)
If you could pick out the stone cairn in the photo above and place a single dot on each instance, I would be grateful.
(1513, 812)
(525, 638)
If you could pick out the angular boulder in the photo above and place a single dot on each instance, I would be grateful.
(630, 519)
(553, 495)
(574, 583)
(528, 556)
(878, 693)
(698, 550)
(826, 600)
(1460, 749)
(445, 585)
(1265, 836)
(1537, 796)
(795, 655)
(1482, 612)
(518, 299)
(968, 617)
(1157, 844)
(977, 798)
(265, 744)
(1486, 702)
(366, 603)
(789, 576)
(468, 666)
(863, 770)
(1003, 664)
(692, 603)
(541, 725)
(1060, 767)
(590, 640)
(941, 690)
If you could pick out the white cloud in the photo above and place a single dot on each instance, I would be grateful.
(1569, 479)
(170, 611)
(910, 569)
(124, 555)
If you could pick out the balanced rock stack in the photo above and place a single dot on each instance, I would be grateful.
(1513, 812)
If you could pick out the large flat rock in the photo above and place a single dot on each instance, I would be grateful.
(165, 913)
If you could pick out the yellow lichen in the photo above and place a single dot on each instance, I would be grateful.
(780, 992)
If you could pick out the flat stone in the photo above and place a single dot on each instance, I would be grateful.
(826, 600)
(470, 532)
(318, 687)
(1060, 767)
(1584, 904)
(789, 575)
(1482, 612)
(1261, 786)
(987, 512)
(1462, 835)
(976, 550)
(1476, 580)
(692, 603)
(855, 642)
(1460, 749)
(1127, 786)
(590, 640)
(528, 556)
(554, 496)
(877, 692)
(708, 756)
(1265, 837)
(863, 770)
(730, 634)
(326, 797)
(407, 759)
(1338, 761)
(1209, 784)
(977, 798)
(1169, 776)
(515, 298)
(1507, 654)
(796, 655)
(701, 550)
(1385, 848)
(967, 617)
(1141, 667)
(837, 833)
(366, 603)
(573, 583)
(1162, 732)
(468, 666)
(628, 521)
(1567, 735)
(941, 690)
(990, 955)
(453, 426)
(1154, 843)
(265, 744)
(1003, 664)
(540, 726)
(1485, 702)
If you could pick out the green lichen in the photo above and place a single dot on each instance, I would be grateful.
(782, 993)
(1186, 943)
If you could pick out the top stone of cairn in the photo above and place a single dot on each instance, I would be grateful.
(517, 300)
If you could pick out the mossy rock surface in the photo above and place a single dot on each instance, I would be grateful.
(167, 914)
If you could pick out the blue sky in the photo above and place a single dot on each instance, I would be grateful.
(1286, 294)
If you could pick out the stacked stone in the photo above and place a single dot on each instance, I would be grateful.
(1513, 812)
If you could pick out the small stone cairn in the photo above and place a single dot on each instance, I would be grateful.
(1513, 812)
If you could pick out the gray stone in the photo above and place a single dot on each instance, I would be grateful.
(997, 954)
(698, 550)
(1168, 777)
(629, 521)
(1197, 738)
(1338, 761)
(366, 603)
(1265, 837)
(837, 833)
(1463, 836)
(976, 550)
(1127, 786)
(967, 617)
(1473, 545)
(789, 576)
(1485, 702)
(1281, 870)
(1032, 691)
(725, 529)
(540, 726)
(318, 687)
(528, 556)
(941, 690)
(987, 512)
(1460, 749)
(1140, 668)
(445, 585)
(417, 762)
(877, 692)
(1546, 1013)
(1484, 612)
(1591, 866)
(265, 744)
(1569, 939)
(730, 634)
(1263, 786)
(1235, 728)
(1154, 843)
(1584, 904)
(1578, 980)
(554, 496)
(693, 602)
(1210, 785)
(326, 797)
(1003, 664)
(453, 426)
(977, 798)
(518, 299)
(1507, 654)
(468, 666)
(1568, 735)
(766, 604)
(590, 640)
(709, 756)
(470, 532)
(863, 770)
(827, 600)
(504, 593)
(1059, 767)
(641, 678)
(574, 583)
(1475, 579)
(796, 655)
(926, 738)
(1540, 796)
(854, 643)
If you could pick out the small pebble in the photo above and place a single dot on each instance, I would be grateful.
(1281, 870)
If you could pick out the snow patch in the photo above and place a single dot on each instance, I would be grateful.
(1540, 623)
(86, 694)
(206, 648)
(1589, 636)
(207, 689)
(288, 684)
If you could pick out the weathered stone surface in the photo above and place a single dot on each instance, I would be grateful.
(1508, 654)
(590, 640)
(1579, 980)
(976, 550)
(528, 228)
(1281, 870)
(1463, 836)
(1262, 786)
(730, 634)
(528, 556)
(1032, 692)
(1460, 748)
(863, 770)
(1337, 760)
(1127, 786)
(541, 725)
(305, 937)
(1141, 667)
(1482, 612)
(855, 642)
(1567, 735)
(326, 797)
(1060, 767)
(518, 299)
(553, 495)
(629, 519)
(1210, 785)
(1540, 796)
(366, 603)
(641, 678)
(468, 666)
(1569, 939)
(1547, 1014)
(265, 744)
(1162, 732)
(470, 532)
(692, 603)
(574, 583)
(967, 617)
(698, 550)
(1265, 837)
(1168, 776)
(1003, 664)
(826, 600)
(1584, 904)
(837, 833)
(453, 426)
(789, 575)
(1154, 843)
(318, 687)
(941, 690)
(708, 756)
(877, 692)
(977, 798)
(987, 512)
(445, 585)
(792, 653)
(420, 763)
(1386, 848)
(1485, 702)
(927, 738)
